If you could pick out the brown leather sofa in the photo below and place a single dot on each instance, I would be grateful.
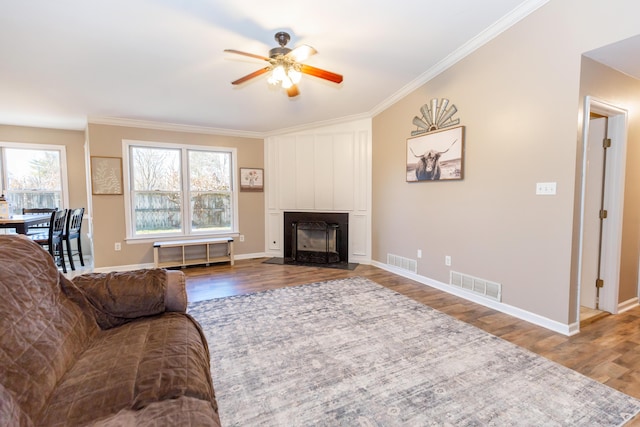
(110, 349)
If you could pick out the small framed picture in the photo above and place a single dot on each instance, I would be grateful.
(251, 179)
(106, 175)
(436, 156)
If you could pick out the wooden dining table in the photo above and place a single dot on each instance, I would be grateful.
(22, 222)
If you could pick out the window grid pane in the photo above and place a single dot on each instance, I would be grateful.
(156, 194)
(33, 178)
(211, 211)
(157, 212)
(210, 191)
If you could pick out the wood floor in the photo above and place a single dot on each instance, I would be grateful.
(607, 350)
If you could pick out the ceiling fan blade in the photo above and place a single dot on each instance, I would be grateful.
(293, 91)
(251, 55)
(323, 74)
(250, 76)
(301, 53)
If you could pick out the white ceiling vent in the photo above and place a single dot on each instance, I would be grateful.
(476, 285)
(403, 263)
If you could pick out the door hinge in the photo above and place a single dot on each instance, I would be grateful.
(603, 213)
(599, 283)
(606, 143)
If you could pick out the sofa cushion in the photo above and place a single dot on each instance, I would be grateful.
(119, 297)
(183, 412)
(132, 366)
(42, 332)
(11, 414)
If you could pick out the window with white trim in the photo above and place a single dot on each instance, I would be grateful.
(33, 175)
(175, 190)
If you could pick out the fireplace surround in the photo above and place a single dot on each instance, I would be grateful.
(316, 238)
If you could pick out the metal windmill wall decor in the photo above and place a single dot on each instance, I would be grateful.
(435, 116)
(435, 149)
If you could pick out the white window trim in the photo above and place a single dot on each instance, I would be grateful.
(63, 165)
(130, 237)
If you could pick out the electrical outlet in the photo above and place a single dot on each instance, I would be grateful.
(545, 188)
(242, 237)
(447, 260)
(118, 246)
(419, 253)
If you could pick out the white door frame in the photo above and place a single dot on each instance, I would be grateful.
(613, 200)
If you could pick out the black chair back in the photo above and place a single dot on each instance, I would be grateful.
(73, 231)
(74, 222)
(53, 238)
(56, 227)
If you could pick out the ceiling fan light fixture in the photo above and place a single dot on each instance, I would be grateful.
(285, 67)
(278, 73)
(294, 75)
(287, 83)
(284, 73)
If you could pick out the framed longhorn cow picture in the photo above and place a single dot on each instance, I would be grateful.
(436, 156)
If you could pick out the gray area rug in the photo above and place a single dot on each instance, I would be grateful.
(353, 353)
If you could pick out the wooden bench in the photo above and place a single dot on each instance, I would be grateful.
(180, 253)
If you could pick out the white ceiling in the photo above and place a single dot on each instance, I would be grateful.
(622, 56)
(66, 61)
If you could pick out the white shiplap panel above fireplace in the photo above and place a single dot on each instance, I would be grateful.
(323, 170)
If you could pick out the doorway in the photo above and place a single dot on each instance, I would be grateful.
(602, 196)
(593, 221)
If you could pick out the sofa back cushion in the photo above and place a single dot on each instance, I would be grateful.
(42, 331)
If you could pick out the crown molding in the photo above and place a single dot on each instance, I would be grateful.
(173, 127)
(314, 125)
(494, 30)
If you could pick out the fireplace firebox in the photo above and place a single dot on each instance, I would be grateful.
(315, 241)
(316, 237)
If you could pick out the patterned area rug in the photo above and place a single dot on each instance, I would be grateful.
(353, 353)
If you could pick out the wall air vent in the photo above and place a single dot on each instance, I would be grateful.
(403, 263)
(478, 286)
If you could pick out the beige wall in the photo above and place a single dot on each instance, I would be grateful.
(108, 210)
(622, 91)
(74, 143)
(518, 97)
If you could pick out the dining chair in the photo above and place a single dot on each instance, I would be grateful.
(52, 239)
(72, 232)
(42, 227)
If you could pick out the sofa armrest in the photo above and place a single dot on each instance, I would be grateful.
(119, 297)
(175, 296)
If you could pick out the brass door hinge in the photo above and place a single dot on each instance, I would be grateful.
(606, 143)
(603, 213)
(599, 283)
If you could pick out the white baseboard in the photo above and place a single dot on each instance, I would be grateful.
(250, 256)
(628, 305)
(123, 268)
(498, 306)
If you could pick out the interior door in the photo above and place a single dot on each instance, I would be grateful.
(591, 243)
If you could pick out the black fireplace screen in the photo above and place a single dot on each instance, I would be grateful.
(324, 237)
(315, 242)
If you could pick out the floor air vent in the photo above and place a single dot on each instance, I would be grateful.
(478, 286)
(403, 263)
